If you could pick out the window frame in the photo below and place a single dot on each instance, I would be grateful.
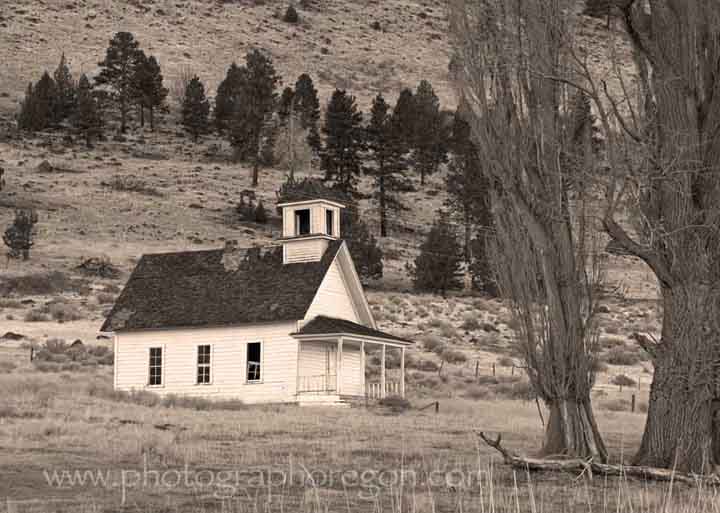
(151, 366)
(207, 365)
(330, 222)
(249, 381)
(298, 224)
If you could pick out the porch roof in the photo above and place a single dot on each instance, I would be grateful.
(332, 326)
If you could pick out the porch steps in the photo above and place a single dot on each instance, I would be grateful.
(322, 400)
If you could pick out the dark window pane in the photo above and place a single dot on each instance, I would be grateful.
(204, 354)
(203, 370)
(329, 222)
(155, 364)
(253, 361)
(302, 222)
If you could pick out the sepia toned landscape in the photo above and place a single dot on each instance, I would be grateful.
(468, 413)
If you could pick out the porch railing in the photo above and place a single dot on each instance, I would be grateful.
(321, 383)
(374, 390)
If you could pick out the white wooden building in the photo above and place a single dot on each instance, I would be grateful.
(261, 326)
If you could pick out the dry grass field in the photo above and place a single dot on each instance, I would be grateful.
(69, 427)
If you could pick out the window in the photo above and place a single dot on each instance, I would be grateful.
(155, 374)
(329, 224)
(302, 222)
(254, 359)
(203, 365)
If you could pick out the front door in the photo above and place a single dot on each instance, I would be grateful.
(318, 366)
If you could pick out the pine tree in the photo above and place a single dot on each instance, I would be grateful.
(65, 90)
(20, 234)
(286, 104)
(481, 270)
(404, 114)
(45, 100)
(437, 267)
(363, 246)
(86, 117)
(307, 105)
(148, 88)
(252, 113)
(195, 108)
(117, 71)
(467, 187)
(340, 158)
(28, 111)
(388, 155)
(429, 138)
(228, 95)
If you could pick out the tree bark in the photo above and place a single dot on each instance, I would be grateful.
(256, 171)
(572, 430)
(682, 430)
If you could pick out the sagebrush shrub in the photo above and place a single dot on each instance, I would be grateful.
(291, 15)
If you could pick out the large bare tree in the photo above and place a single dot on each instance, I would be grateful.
(534, 134)
(664, 156)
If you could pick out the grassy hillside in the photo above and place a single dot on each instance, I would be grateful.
(334, 41)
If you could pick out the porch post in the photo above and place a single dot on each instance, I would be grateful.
(362, 366)
(338, 367)
(297, 369)
(402, 372)
(382, 373)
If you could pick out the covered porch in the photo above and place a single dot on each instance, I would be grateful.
(332, 362)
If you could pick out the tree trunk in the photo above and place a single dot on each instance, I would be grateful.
(152, 119)
(142, 115)
(681, 431)
(383, 208)
(256, 171)
(572, 431)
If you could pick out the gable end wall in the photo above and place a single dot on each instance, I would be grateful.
(333, 297)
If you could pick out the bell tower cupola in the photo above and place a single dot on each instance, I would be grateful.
(308, 227)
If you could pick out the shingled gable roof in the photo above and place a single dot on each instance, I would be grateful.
(323, 325)
(200, 288)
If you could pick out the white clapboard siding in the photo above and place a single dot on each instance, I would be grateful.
(304, 250)
(228, 362)
(351, 370)
(333, 297)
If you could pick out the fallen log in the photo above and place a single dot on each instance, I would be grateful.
(579, 466)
